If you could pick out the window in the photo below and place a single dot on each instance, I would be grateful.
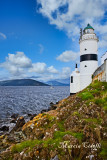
(85, 66)
(85, 49)
(88, 31)
(71, 79)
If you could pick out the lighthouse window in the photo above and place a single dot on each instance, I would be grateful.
(85, 49)
(71, 79)
(85, 66)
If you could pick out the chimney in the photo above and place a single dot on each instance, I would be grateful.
(76, 66)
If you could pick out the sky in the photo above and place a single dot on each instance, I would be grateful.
(40, 38)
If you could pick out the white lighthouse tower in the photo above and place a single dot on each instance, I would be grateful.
(88, 55)
(88, 60)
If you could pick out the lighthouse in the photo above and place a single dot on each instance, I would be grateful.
(88, 55)
(88, 60)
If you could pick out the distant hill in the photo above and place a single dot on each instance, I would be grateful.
(65, 81)
(22, 82)
(56, 83)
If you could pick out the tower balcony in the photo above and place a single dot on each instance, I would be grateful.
(88, 37)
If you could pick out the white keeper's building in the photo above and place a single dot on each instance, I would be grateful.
(88, 60)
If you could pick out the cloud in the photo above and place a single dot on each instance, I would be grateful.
(69, 14)
(41, 48)
(46, 77)
(102, 44)
(38, 67)
(65, 73)
(19, 59)
(51, 69)
(19, 65)
(67, 56)
(2, 36)
(102, 34)
(16, 63)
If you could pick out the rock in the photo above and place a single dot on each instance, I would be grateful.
(33, 116)
(13, 121)
(53, 153)
(53, 107)
(14, 116)
(10, 138)
(98, 134)
(19, 124)
(57, 102)
(29, 114)
(44, 154)
(44, 110)
(55, 158)
(4, 128)
(51, 103)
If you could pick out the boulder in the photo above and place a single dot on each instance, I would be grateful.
(44, 110)
(51, 103)
(13, 121)
(32, 116)
(53, 107)
(14, 116)
(4, 128)
(19, 124)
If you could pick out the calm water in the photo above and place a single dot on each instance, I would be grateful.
(24, 100)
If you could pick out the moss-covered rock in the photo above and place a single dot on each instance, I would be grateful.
(74, 130)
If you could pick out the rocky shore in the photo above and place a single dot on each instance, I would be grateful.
(72, 129)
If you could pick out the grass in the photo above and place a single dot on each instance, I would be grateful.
(61, 134)
(51, 143)
(94, 120)
(76, 113)
(51, 121)
(25, 144)
(103, 152)
(93, 93)
(96, 92)
(86, 95)
(58, 137)
(95, 88)
(61, 125)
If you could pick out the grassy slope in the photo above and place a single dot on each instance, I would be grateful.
(76, 118)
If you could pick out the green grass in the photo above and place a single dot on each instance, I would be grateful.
(103, 152)
(86, 95)
(61, 125)
(51, 143)
(10, 158)
(61, 134)
(20, 146)
(58, 137)
(76, 113)
(94, 120)
(51, 122)
(96, 94)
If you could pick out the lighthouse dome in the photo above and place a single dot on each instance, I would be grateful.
(89, 29)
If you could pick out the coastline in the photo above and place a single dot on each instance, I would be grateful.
(76, 120)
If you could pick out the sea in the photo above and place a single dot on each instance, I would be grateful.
(25, 100)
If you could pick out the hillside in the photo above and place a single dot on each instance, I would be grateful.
(22, 82)
(56, 83)
(74, 130)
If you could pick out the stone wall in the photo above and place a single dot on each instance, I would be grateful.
(101, 73)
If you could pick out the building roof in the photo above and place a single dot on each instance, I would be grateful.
(88, 27)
